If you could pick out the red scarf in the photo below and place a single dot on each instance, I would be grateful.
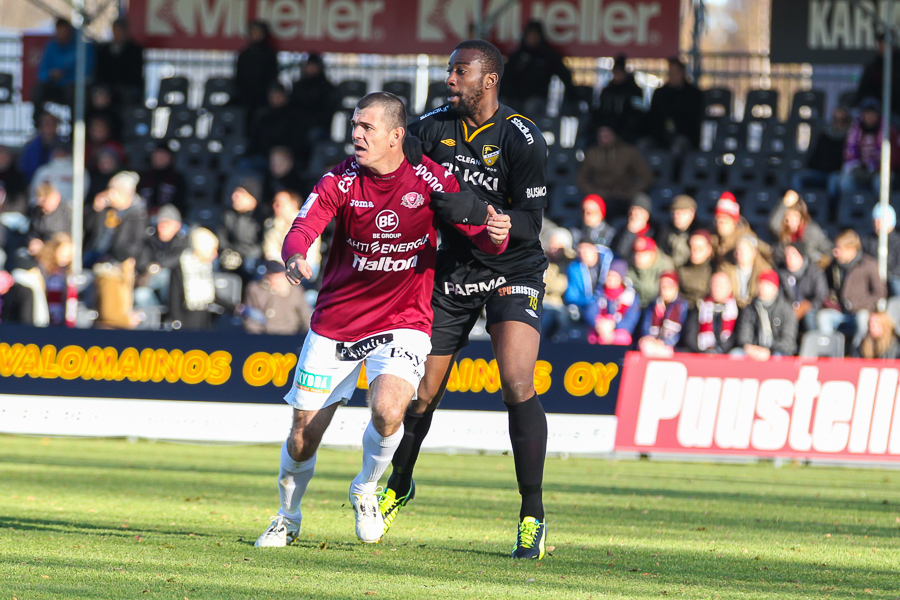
(706, 337)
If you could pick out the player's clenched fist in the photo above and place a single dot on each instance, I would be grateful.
(498, 225)
(297, 269)
(464, 208)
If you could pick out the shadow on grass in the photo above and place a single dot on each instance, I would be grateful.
(69, 526)
(343, 571)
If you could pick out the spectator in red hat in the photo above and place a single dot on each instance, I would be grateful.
(594, 226)
(709, 328)
(615, 311)
(638, 225)
(649, 263)
(730, 227)
(663, 319)
(745, 270)
(768, 326)
(695, 273)
(615, 170)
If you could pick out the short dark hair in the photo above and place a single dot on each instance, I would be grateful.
(491, 59)
(394, 110)
(60, 22)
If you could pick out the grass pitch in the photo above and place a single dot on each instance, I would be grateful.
(112, 519)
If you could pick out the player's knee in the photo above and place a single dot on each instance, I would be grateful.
(517, 390)
(387, 420)
(301, 445)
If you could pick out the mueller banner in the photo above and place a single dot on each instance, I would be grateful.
(826, 31)
(235, 367)
(832, 409)
(638, 28)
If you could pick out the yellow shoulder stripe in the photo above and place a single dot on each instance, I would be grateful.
(523, 116)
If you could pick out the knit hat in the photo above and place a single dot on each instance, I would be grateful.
(890, 216)
(167, 212)
(669, 275)
(704, 234)
(274, 267)
(642, 200)
(727, 205)
(683, 201)
(870, 103)
(595, 199)
(619, 266)
(126, 181)
(252, 186)
(644, 244)
(770, 276)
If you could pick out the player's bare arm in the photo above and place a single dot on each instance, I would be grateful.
(297, 269)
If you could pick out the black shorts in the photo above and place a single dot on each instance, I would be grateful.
(460, 292)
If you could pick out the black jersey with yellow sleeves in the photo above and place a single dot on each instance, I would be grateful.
(504, 162)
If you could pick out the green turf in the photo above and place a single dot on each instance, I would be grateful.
(112, 519)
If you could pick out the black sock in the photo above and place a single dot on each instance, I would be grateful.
(528, 434)
(415, 428)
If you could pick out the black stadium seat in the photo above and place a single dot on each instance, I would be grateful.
(437, 95)
(350, 91)
(173, 91)
(717, 104)
(855, 210)
(761, 105)
(699, 169)
(217, 92)
(662, 163)
(747, 171)
(6, 88)
(403, 89)
(137, 123)
(808, 105)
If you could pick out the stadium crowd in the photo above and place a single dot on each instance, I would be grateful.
(662, 251)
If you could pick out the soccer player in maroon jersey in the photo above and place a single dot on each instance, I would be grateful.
(374, 306)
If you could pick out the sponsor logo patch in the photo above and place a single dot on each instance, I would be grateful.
(490, 154)
(359, 350)
(413, 200)
(387, 221)
(385, 263)
(450, 143)
(308, 382)
(467, 289)
(361, 204)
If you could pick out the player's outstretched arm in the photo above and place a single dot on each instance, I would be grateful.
(297, 269)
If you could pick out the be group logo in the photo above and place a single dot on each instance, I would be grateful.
(387, 221)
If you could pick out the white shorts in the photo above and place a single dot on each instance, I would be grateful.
(327, 370)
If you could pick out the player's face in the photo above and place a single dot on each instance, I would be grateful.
(466, 82)
(373, 139)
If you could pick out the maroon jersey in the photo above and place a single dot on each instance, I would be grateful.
(380, 268)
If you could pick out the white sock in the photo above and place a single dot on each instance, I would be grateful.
(293, 477)
(377, 454)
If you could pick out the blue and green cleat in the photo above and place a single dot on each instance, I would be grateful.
(389, 504)
(530, 539)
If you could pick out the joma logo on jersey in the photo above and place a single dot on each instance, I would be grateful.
(459, 289)
(321, 384)
(385, 263)
(490, 154)
(523, 128)
(361, 204)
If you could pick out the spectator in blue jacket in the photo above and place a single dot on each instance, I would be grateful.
(664, 318)
(38, 151)
(56, 73)
(585, 274)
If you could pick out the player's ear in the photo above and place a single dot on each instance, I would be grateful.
(397, 136)
(491, 80)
